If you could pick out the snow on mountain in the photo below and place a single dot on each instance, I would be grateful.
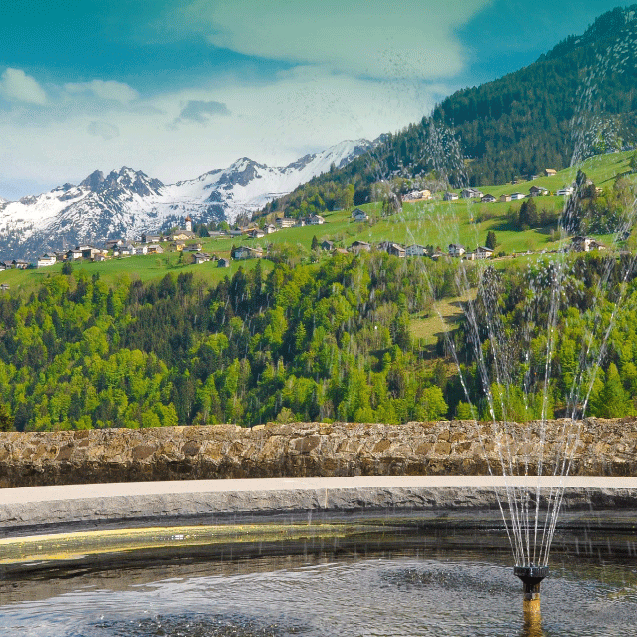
(126, 203)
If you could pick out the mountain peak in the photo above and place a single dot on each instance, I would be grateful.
(126, 203)
(94, 181)
(605, 27)
(243, 163)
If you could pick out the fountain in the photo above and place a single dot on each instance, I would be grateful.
(515, 361)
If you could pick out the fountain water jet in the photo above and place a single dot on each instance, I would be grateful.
(516, 362)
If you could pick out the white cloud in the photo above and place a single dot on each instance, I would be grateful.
(201, 111)
(104, 90)
(306, 109)
(16, 85)
(103, 129)
(369, 38)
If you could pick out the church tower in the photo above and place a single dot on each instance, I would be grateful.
(188, 224)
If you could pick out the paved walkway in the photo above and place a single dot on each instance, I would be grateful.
(26, 495)
(30, 509)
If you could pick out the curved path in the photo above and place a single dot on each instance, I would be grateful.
(52, 509)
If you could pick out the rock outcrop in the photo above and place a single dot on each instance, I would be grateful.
(604, 448)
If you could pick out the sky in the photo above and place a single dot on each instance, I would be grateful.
(177, 88)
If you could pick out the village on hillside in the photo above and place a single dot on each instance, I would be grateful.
(187, 242)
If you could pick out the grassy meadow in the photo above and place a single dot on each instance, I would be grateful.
(435, 222)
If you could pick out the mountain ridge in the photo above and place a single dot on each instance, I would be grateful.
(574, 101)
(125, 203)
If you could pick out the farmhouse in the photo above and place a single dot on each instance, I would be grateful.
(550, 172)
(246, 252)
(392, 248)
(415, 250)
(515, 196)
(46, 260)
(456, 250)
(483, 253)
(450, 196)
(74, 254)
(223, 263)
(418, 194)
(471, 193)
(327, 245)
(538, 191)
(285, 222)
(316, 220)
(201, 257)
(359, 215)
(586, 244)
(182, 235)
(504, 198)
(89, 252)
(487, 199)
(360, 246)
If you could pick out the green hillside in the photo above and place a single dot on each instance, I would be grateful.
(576, 100)
(436, 223)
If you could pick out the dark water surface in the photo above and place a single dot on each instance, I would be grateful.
(351, 591)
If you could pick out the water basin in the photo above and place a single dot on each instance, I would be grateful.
(404, 580)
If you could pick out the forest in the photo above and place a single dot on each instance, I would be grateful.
(324, 341)
(576, 101)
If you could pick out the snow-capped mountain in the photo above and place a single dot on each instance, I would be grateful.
(126, 203)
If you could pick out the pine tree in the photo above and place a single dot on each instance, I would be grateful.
(6, 421)
(613, 402)
(491, 240)
(528, 216)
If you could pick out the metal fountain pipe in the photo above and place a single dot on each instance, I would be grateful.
(531, 577)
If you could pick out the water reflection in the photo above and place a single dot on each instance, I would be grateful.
(445, 579)
(324, 594)
(532, 626)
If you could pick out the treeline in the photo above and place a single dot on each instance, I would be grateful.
(315, 342)
(310, 343)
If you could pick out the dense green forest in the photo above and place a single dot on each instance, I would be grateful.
(306, 343)
(315, 342)
(577, 314)
(576, 101)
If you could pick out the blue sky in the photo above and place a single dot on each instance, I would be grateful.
(180, 88)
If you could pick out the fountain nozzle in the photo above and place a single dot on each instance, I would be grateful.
(531, 577)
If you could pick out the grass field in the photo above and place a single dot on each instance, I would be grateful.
(444, 315)
(434, 223)
(137, 267)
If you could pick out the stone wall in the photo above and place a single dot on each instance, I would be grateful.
(606, 448)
